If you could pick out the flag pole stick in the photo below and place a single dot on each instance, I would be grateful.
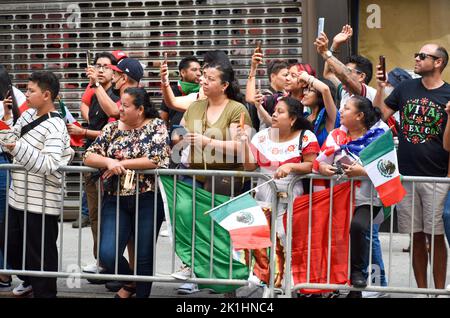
(239, 196)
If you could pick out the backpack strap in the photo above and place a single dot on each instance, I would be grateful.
(36, 122)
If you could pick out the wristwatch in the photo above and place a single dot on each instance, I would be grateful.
(328, 54)
(95, 85)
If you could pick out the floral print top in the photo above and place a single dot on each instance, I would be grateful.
(151, 140)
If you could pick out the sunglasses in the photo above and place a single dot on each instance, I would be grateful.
(355, 70)
(423, 56)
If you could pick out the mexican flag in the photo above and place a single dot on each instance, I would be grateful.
(244, 219)
(75, 140)
(321, 233)
(380, 162)
(207, 246)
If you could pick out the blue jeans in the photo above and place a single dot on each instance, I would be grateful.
(3, 194)
(145, 244)
(84, 205)
(446, 217)
(378, 272)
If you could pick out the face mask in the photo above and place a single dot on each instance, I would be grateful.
(388, 90)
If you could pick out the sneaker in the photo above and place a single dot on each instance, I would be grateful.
(374, 294)
(187, 289)
(5, 286)
(183, 273)
(23, 289)
(92, 269)
(84, 222)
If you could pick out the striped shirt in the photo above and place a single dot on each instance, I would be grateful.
(41, 151)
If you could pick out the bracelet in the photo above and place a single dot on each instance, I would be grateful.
(85, 132)
(250, 76)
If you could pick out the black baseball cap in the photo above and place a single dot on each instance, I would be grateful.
(132, 67)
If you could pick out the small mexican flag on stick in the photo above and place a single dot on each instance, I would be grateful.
(75, 140)
(380, 162)
(246, 222)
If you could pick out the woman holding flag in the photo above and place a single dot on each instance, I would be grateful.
(289, 147)
(361, 125)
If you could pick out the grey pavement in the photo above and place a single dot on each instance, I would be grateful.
(400, 275)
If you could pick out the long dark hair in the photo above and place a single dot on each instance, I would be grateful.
(295, 110)
(371, 114)
(332, 88)
(142, 98)
(5, 86)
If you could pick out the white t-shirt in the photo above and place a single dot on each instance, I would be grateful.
(367, 91)
(270, 155)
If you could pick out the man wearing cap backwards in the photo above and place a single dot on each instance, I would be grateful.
(351, 78)
(100, 80)
(423, 119)
(86, 99)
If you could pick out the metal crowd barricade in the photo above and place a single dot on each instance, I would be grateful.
(155, 277)
(289, 290)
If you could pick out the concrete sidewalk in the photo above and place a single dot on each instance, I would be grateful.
(400, 275)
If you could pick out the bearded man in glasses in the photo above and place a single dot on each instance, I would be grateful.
(423, 120)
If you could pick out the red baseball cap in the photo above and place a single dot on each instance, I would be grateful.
(118, 54)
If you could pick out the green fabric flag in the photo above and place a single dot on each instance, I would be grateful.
(183, 234)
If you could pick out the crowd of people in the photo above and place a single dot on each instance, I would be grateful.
(207, 123)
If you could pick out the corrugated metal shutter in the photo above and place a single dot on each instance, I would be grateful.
(54, 35)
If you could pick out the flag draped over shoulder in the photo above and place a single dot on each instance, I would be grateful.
(320, 219)
(380, 162)
(246, 222)
(203, 240)
(75, 140)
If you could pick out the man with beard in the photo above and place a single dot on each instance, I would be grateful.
(421, 103)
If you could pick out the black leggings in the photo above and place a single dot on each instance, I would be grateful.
(359, 228)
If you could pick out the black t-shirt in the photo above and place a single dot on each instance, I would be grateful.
(174, 115)
(97, 117)
(422, 124)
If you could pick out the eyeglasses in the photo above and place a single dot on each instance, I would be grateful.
(309, 90)
(102, 67)
(423, 56)
(355, 70)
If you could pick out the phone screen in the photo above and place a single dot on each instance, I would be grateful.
(258, 46)
(88, 58)
(320, 26)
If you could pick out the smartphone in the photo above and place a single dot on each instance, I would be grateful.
(88, 58)
(345, 160)
(259, 86)
(383, 67)
(8, 94)
(242, 121)
(339, 168)
(165, 58)
(320, 26)
(258, 46)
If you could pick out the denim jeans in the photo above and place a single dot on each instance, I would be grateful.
(145, 243)
(84, 205)
(446, 217)
(378, 272)
(3, 194)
